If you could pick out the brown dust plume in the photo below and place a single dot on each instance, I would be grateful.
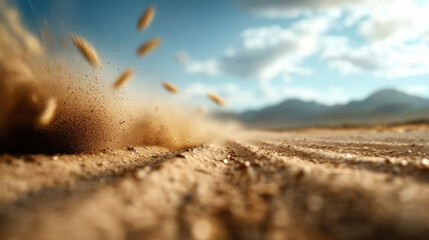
(52, 103)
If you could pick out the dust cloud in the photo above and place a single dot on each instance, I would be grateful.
(86, 115)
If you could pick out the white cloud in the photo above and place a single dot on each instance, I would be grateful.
(396, 21)
(294, 8)
(209, 67)
(389, 61)
(266, 52)
(394, 43)
(418, 90)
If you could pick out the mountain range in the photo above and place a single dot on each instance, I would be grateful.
(382, 107)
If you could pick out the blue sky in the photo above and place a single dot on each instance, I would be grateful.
(252, 52)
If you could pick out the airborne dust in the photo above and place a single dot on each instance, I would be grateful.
(52, 101)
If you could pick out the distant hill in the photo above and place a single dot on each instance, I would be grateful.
(382, 107)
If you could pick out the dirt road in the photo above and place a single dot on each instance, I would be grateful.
(308, 184)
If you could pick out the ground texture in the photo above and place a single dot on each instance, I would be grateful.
(368, 183)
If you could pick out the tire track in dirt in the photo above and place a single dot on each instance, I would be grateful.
(66, 171)
(411, 150)
(264, 186)
(404, 165)
(357, 201)
(133, 205)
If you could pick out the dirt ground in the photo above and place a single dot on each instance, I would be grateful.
(368, 183)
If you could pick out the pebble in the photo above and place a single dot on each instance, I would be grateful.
(299, 174)
(131, 148)
(181, 155)
(225, 161)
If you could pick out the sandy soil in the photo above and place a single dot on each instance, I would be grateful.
(307, 184)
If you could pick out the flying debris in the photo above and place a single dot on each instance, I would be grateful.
(146, 18)
(216, 99)
(87, 51)
(123, 78)
(48, 113)
(149, 46)
(170, 87)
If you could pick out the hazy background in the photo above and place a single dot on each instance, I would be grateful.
(255, 53)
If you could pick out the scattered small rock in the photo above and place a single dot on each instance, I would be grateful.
(180, 155)
(299, 174)
(131, 148)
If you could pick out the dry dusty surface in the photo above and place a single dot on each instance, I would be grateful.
(306, 184)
